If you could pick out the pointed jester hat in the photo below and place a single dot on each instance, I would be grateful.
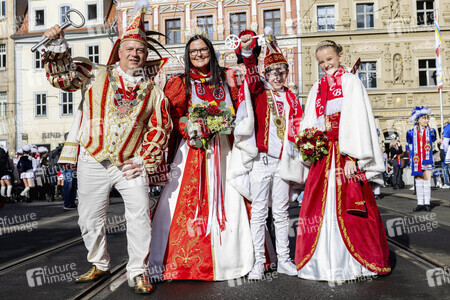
(273, 52)
(136, 32)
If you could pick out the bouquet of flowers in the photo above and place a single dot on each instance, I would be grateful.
(206, 120)
(312, 143)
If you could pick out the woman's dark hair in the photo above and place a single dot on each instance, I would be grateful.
(216, 71)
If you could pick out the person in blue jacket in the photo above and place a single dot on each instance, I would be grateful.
(421, 138)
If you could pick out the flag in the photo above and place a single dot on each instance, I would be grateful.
(437, 43)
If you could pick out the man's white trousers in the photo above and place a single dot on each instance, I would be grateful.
(95, 181)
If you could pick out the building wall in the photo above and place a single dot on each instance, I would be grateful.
(187, 12)
(396, 43)
(7, 127)
(50, 130)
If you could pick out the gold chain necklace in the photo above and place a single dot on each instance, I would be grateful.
(279, 121)
(125, 106)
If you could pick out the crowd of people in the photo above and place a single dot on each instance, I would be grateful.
(34, 174)
(210, 220)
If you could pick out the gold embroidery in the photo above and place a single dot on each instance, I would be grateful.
(324, 201)
(357, 256)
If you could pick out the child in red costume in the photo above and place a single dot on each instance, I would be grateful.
(267, 121)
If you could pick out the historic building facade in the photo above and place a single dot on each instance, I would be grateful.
(218, 19)
(44, 114)
(396, 43)
(7, 99)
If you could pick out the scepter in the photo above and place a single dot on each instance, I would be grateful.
(63, 26)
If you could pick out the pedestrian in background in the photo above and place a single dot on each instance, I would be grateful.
(446, 156)
(421, 138)
(6, 173)
(395, 152)
(25, 167)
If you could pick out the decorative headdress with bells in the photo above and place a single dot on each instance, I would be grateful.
(136, 32)
(273, 52)
(419, 111)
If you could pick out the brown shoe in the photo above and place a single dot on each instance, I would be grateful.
(142, 285)
(93, 274)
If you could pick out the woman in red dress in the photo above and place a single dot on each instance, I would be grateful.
(200, 228)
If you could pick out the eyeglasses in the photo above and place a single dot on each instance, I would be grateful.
(275, 74)
(195, 52)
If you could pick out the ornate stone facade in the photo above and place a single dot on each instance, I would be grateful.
(220, 11)
(396, 44)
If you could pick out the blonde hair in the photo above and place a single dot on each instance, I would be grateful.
(392, 144)
(329, 43)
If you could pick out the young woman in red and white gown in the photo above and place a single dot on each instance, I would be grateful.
(332, 244)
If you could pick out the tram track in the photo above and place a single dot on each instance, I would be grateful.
(68, 243)
(411, 252)
(443, 224)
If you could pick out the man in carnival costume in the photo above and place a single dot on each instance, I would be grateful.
(421, 139)
(119, 134)
(264, 157)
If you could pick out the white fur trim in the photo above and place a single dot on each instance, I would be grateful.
(333, 106)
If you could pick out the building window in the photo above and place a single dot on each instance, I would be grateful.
(205, 23)
(364, 16)
(94, 53)
(63, 10)
(40, 100)
(368, 74)
(425, 13)
(173, 31)
(427, 72)
(3, 104)
(38, 61)
(3, 8)
(147, 25)
(92, 11)
(272, 20)
(66, 104)
(325, 18)
(238, 22)
(39, 17)
(2, 56)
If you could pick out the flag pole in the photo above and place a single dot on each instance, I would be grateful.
(439, 75)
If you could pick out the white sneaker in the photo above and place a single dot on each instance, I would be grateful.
(446, 186)
(411, 188)
(285, 266)
(257, 272)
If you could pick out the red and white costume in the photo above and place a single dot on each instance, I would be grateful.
(264, 160)
(199, 232)
(120, 117)
(331, 243)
